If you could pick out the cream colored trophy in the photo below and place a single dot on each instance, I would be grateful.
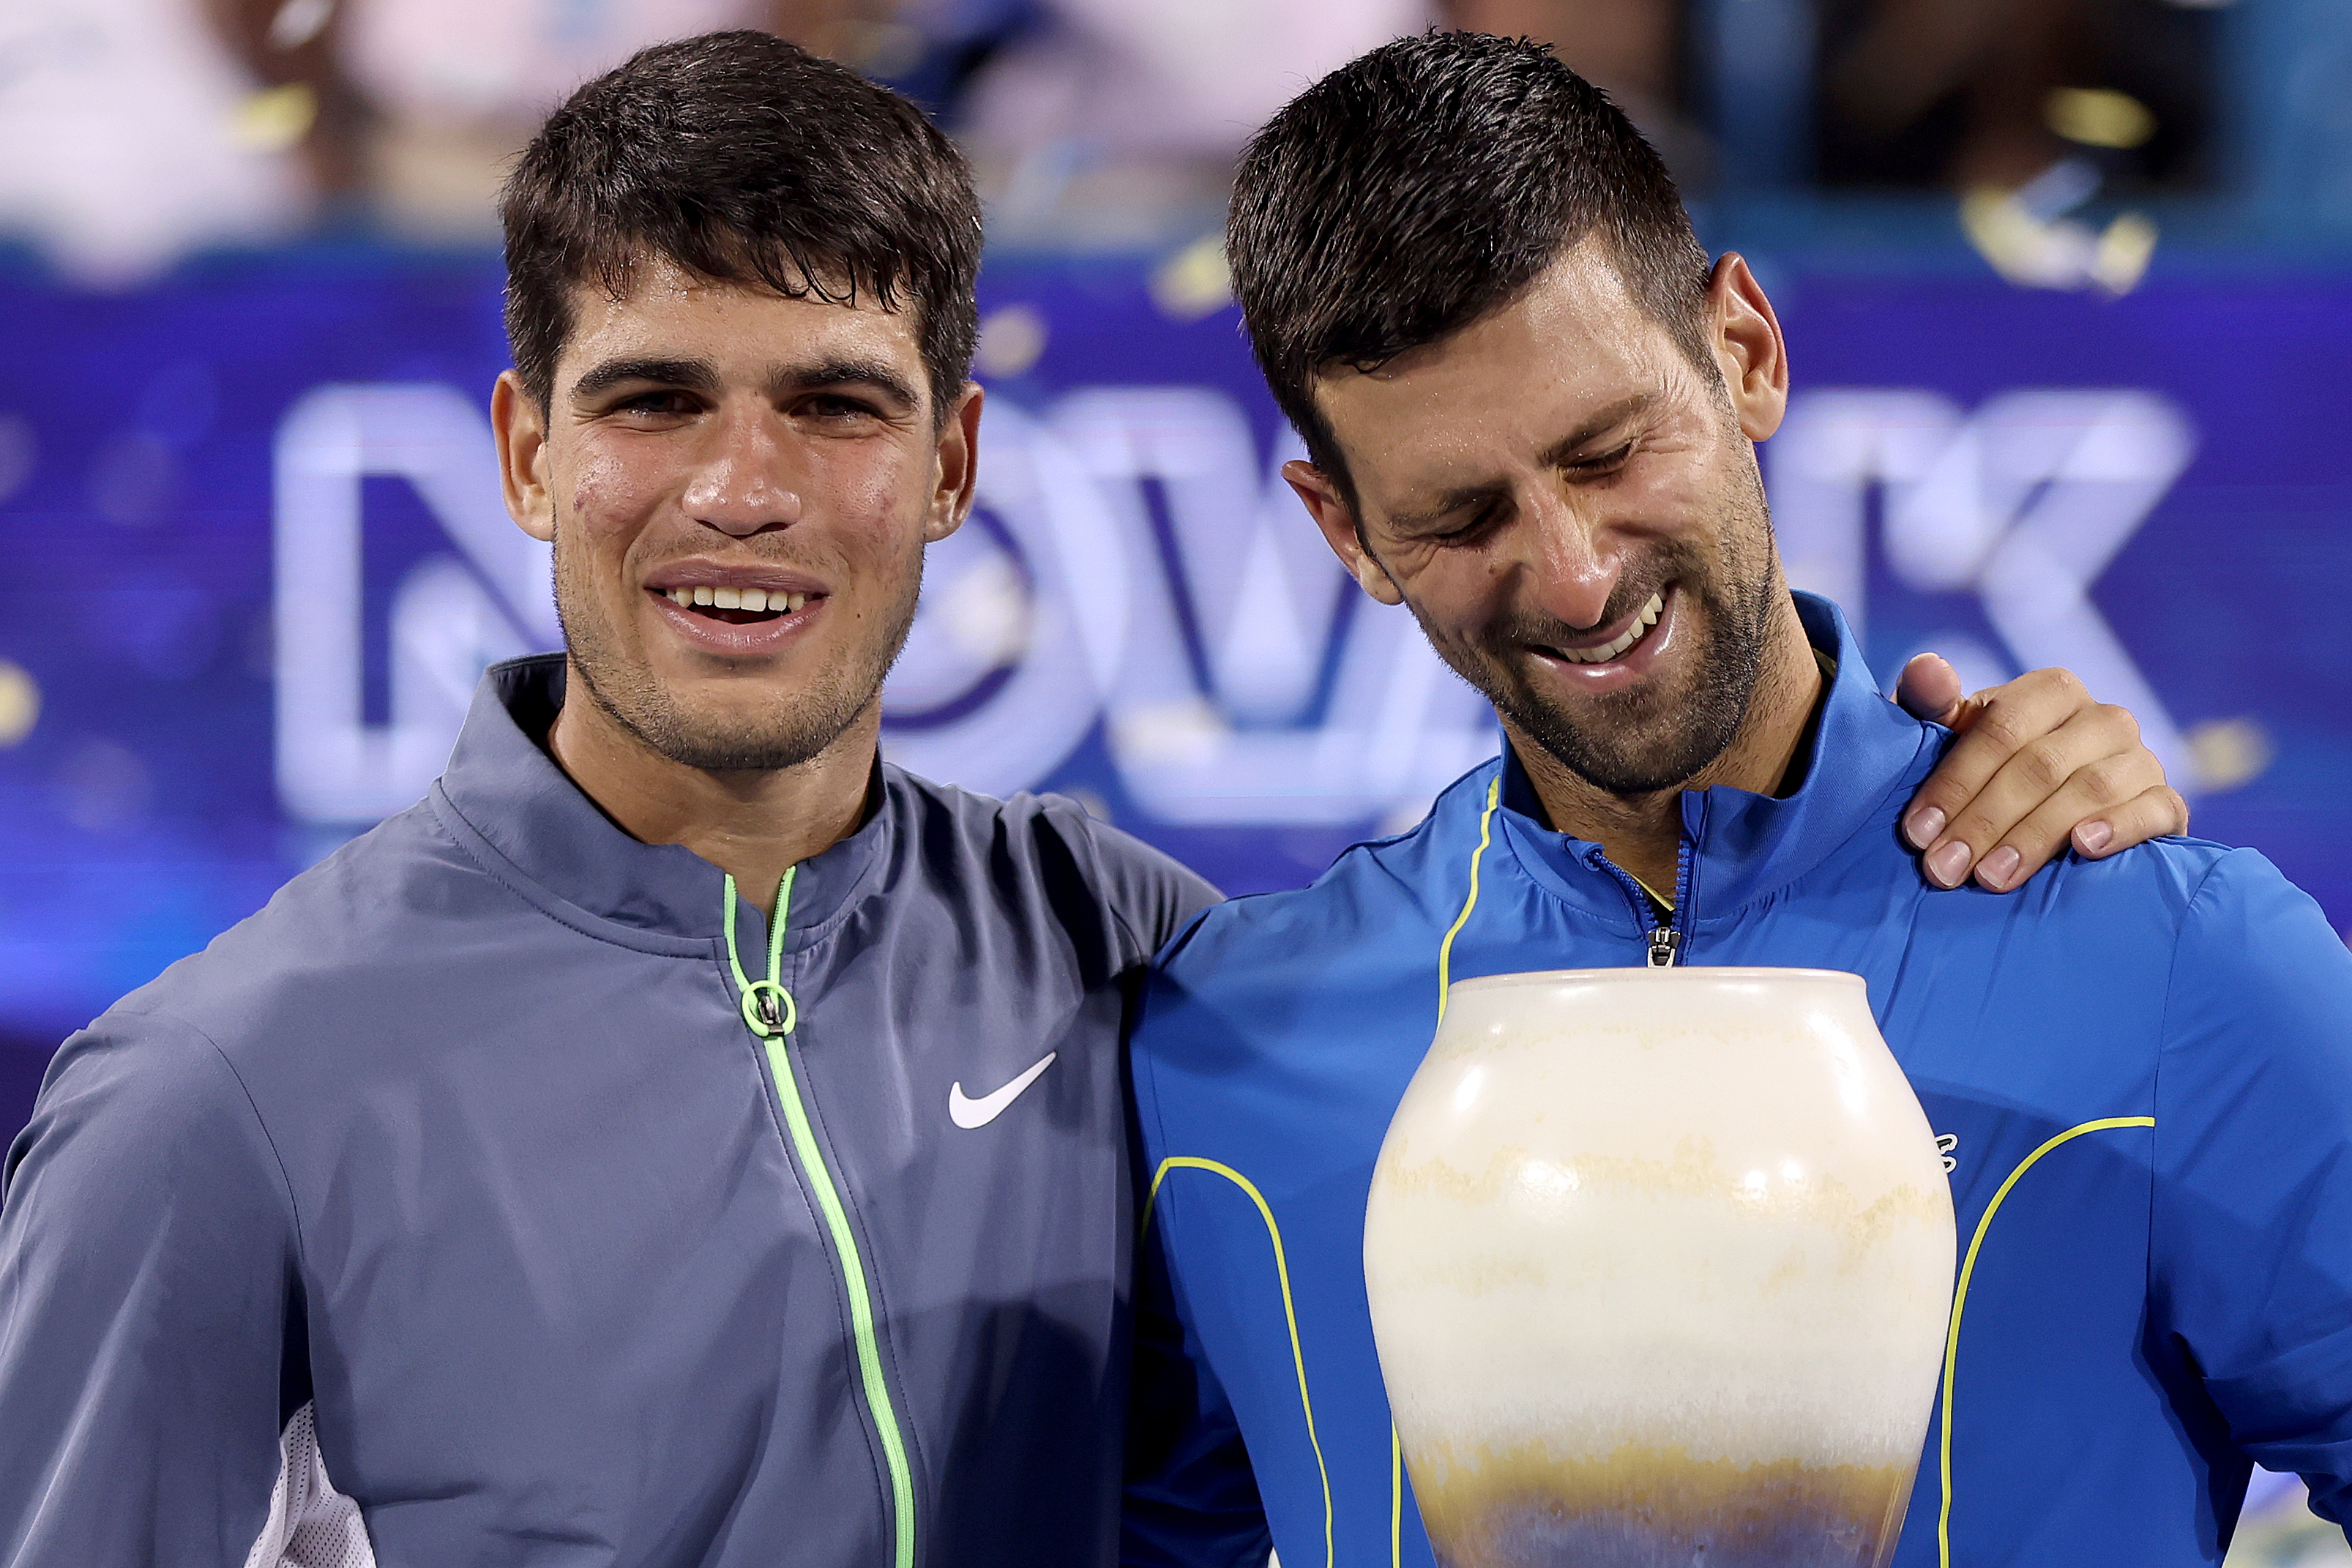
(1659, 1262)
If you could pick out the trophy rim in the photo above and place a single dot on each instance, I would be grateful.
(1675, 973)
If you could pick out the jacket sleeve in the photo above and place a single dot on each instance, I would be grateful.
(146, 1272)
(1191, 1499)
(2252, 1228)
(1151, 895)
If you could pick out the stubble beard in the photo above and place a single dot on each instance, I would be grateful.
(1650, 738)
(800, 727)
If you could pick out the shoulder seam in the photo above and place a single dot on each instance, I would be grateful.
(2163, 1040)
(1062, 809)
(1074, 827)
(1135, 944)
(285, 1181)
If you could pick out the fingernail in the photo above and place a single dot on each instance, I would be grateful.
(1998, 868)
(1922, 825)
(1948, 864)
(2091, 838)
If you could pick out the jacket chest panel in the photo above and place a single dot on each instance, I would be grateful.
(595, 1233)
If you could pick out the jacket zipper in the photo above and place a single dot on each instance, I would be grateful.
(771, 1016)
(1666, 940)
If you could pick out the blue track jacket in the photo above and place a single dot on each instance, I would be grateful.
(2141, 1069)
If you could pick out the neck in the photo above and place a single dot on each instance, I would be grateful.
(1643, 833)
(753, 824)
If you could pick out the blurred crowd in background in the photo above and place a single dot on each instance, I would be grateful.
(133, 132)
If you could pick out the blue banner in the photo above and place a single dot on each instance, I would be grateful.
(256, 557)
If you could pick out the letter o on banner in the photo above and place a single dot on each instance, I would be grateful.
(1019, 714)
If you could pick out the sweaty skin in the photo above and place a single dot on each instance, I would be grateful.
(1572, 511)
(716, 436)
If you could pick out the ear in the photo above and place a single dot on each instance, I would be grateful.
(959, 466)
(522, 431)
(1338, 521)
(1749, 348)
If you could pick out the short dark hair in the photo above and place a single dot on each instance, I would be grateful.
(743, 159)
(1419, 187)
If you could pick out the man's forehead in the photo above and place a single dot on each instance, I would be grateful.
(661, 300)
(1569, 350)
(1577, 312)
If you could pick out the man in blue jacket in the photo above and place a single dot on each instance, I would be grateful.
(681, 1139)
(1531, 405)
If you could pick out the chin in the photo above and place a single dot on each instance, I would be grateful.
(1632, 742)
(772, 730)
(726, 725)
(744, 748)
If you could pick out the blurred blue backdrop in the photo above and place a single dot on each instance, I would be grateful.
(2065, 285)
(256, 559)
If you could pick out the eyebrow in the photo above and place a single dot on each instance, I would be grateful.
(701, 375)
(1559, 453)
(693, 374)
(876, 373)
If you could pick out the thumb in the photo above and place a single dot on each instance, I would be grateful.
(1929, 689)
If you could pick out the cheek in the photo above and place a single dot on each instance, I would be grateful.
(610, 493)
(877, 495)
(1457, 594)
(1701, 501)
(616, 475)
(1680, 490)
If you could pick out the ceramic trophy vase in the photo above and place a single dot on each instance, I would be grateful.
(1659, 1263)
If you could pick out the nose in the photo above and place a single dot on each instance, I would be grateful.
(1575, 559)
(740, 487)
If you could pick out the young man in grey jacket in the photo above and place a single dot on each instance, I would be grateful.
(682, 1138)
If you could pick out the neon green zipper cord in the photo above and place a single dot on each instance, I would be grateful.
(771, 1015)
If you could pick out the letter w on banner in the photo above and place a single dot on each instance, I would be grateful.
(1133, 559)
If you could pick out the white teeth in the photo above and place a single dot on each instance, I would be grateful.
(1626, 639)
(759, 600)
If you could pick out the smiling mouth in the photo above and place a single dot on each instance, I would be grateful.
(1620, 645)
(736, 607)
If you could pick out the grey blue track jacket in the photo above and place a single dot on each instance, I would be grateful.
(578, 1241)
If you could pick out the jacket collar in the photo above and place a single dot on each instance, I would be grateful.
(1865, 757)
(534, 829)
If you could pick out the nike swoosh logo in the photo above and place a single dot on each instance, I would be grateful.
(967, 1113)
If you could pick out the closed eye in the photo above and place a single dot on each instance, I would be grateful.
(1607, 462)
(1479, 523)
